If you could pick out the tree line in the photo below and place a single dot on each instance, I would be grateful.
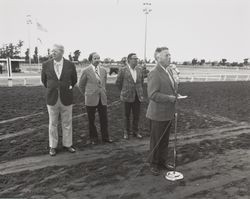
(13, 51)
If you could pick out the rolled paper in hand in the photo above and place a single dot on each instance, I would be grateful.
(179, 96)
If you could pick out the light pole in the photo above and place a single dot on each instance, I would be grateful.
(29, 22)
(146, 11)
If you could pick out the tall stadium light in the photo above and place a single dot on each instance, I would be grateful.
(146, 10)
(29, 22)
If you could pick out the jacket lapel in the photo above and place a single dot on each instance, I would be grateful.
(52, 69)
(101, 72)
(63, 68)
(92, 73)
(137, 73)
(130, 75)
(160, 69)
(172, 76)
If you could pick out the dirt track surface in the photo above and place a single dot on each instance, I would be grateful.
(213, 151)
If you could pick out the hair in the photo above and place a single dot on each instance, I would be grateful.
(158, 50)
(130, 55)
(91, 56)
(58, 46)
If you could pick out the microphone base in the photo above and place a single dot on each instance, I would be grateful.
(174, 176)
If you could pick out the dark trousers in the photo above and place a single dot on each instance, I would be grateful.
(135, 107)
(102, 111)
(159, 153)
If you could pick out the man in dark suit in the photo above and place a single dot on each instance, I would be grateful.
(92, 85)
(130, 82)
(162, 93)
(59, 77)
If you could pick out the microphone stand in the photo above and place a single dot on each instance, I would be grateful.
(175, 175)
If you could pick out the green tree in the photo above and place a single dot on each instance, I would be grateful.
(76, 55)
(85, 61)
(35, 56)
(223, 62)
(107, 60)
(245, 61)
(27, 55)
(194, 61)
(202, 61)
(123, 61)
(70, 57)
(11, 50)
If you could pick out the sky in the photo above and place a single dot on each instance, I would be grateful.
(202, 29)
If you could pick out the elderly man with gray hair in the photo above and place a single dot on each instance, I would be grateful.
(162, 93)
(59, 77)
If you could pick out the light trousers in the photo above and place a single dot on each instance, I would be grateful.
(66, 122)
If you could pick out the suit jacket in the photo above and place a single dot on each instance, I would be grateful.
(127, 86)
(64, 85)
(160, 87)
(92, 87)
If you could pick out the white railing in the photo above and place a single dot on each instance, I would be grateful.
(30, 68)
(20, 80)
(36, 79)
(214, 77)
(30, 74)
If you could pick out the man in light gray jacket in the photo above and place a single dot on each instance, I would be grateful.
(92, 85)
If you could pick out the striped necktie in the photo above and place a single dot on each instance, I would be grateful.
(171, 77)
(97, 75)
(96, 71)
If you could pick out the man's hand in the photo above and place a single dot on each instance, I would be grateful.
(177, 79)
(174, 68)
(172, 98)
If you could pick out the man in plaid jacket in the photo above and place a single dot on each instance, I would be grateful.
(130, 82)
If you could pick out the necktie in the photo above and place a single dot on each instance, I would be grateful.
(96, 71)
(97, 75)
(57, 69)
(171, 77)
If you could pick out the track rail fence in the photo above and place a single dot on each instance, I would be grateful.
(35, 80)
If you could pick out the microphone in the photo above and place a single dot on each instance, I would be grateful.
(173, 67)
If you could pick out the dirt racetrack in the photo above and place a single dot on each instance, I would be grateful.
(213, 149)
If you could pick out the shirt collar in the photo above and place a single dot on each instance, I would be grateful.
(95, 67)
(60, 62)
(130, 67)
(163, 67)
(166, 69)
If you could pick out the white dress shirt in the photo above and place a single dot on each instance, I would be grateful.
(133, 72)
(58, 68)
(170, 76)
(96, 71)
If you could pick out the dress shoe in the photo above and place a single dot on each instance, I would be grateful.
(125, 135)
(70, 149)
(137, 135)
(108, 141)
(130, 132)
(155, 171)
(167, 167)
(52, 151)
(93, 142)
